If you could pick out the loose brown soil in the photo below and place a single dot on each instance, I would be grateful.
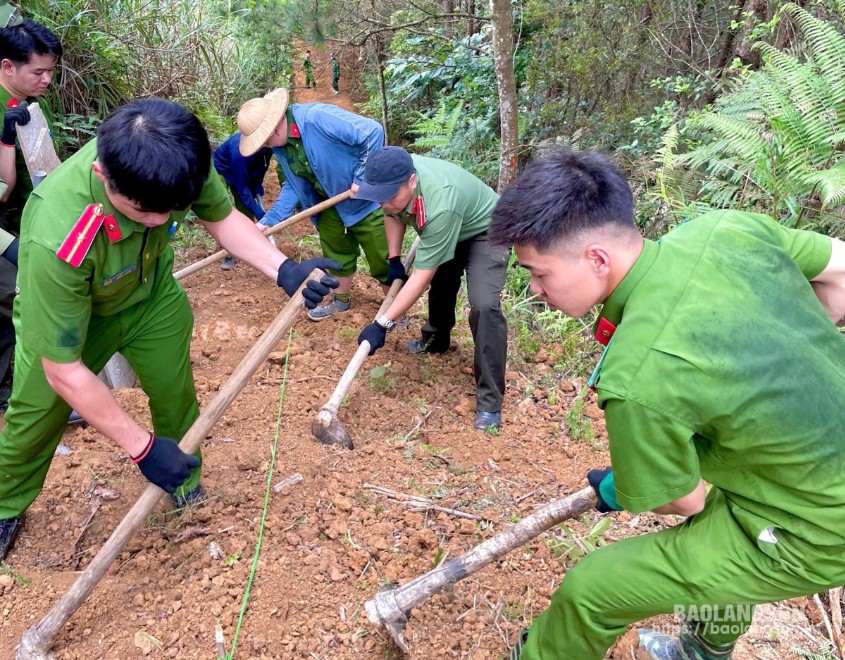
(328, 542)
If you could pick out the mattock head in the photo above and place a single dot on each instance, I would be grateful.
(384, 610)
(328, 430)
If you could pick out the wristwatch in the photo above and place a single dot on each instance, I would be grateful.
(385, 322)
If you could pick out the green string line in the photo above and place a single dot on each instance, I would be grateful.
(250, 580)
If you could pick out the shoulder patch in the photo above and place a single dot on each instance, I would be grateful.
(77, 243)
(418, 209)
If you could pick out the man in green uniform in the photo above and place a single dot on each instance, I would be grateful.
(450, 210)
(96, 278)
(309, 73)
(29, 53)
(335, 74)
(722, 366)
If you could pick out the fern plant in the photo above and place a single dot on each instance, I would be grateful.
(773, 143)
(437, 130)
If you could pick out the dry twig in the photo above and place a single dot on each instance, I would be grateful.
(417, 503)
(818, 602)
(292, 480)
(834, 599)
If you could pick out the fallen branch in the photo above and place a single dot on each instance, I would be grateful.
(422, 504)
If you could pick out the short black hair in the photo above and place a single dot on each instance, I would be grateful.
(156, 153)
(18, 43)
(559, 197)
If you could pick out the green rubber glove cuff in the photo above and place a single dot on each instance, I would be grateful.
(607, 490)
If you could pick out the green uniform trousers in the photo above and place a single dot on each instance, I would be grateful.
(154, 336)
(707, 564)
(485, 267)
(343, 244)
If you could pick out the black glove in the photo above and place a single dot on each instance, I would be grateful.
(16, 115)
(292, 274)
(11, 252)
(395, 270)
(604, 484)
(164, 464)
(375, 334)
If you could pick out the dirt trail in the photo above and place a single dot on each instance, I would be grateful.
(328, 543)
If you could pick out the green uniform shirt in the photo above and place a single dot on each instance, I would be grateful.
(23, 187)
(725, 366)
(56, 300)
(298, 159)
(457, 207)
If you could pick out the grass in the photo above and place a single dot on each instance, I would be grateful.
(5, 569)
(579, 424)
(191, 235)
(570, 546)
(380, 379)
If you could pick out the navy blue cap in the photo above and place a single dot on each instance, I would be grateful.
(385, 171)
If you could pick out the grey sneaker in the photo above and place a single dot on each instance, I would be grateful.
(328, 307)
(228, 263)
(661, 646)
(488, 421)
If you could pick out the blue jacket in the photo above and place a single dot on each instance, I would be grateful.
(336, 144)
(244, 175)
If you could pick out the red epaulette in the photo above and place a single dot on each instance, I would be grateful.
(418, 210)
(77, 243)
(293, 129)
(13, 103)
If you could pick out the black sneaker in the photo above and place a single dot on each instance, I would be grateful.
(193, 497)
(8, 530)
(430, 344)
(228, 263)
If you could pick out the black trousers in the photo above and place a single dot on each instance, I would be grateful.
(485, 266)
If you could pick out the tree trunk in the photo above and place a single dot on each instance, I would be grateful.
(448, 19)
(378, 44)
(500, 12)
(759, 12)
(726, 55)
(472, 24)
(787, 30)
